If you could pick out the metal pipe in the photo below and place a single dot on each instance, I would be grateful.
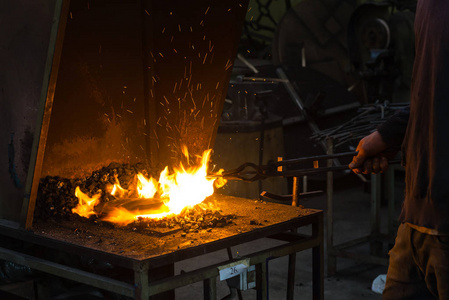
(295, 192)
(293, 94)
(247, 63)
(332, 261)
(375, 247)
(267, 80)
(389, 192)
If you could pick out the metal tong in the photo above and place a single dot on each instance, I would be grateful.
(250, 172)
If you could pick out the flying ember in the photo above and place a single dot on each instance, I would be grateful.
(175, 191)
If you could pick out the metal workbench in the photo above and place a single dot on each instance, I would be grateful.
(145, 256)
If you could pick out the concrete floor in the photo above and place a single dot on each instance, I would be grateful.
(352, 281)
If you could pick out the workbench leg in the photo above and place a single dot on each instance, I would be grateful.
(318, 262)
(291, 276)
(210, 288)
(141, 282)
(239, 292)
(261, 281)
(375, 246)
(162, 272)
(331, 257)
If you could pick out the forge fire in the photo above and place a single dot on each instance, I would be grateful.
(124, 194)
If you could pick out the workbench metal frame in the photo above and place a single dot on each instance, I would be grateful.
(375, 238)
(143, 288)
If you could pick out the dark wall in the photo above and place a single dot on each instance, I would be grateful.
(24, 36)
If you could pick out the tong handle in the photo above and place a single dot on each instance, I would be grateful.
(302, 172)
(314, 158)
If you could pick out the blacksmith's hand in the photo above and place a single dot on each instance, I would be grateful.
(369, 158)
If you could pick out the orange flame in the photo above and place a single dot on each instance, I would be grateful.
(117, 190)
(146, 188)
(184, 188)
(85, 207)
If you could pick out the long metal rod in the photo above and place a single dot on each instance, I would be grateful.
(331, 259)
(313, 158)
(256, 79)
(318, 263)
(389, 193)
(295, 97)
(247, 63)
(300, 172)
(375, 246)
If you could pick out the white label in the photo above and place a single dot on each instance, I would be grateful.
(233, 269)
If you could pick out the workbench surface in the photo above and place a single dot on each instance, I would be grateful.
(253, 220)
